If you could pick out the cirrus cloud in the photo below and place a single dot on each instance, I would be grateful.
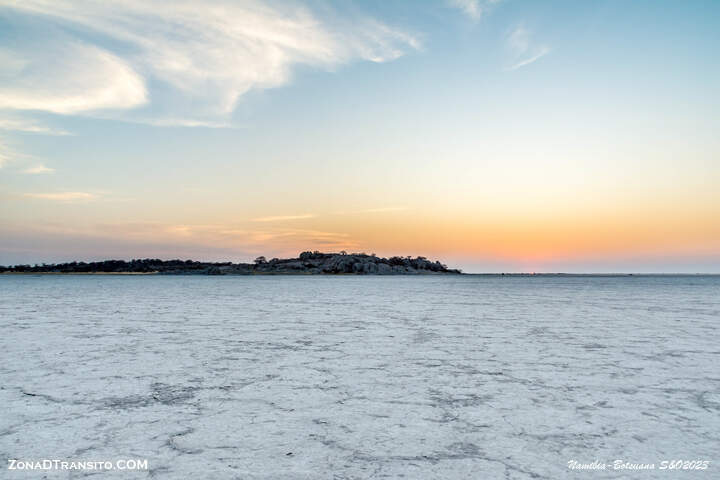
(524, 50)
(204, 56)
(282, 218)
(29, 126)
(4, 155)
(62, 196)
(68, 77)
(474, 9)
(38, 169)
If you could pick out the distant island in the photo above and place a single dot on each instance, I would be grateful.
(308, 263)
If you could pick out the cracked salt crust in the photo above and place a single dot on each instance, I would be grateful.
(359, 377)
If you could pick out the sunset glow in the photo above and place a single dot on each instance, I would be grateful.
(520, 136)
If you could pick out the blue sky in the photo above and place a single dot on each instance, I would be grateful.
(499, 135)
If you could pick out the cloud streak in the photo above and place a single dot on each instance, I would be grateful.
(170, 239)
(4, 155)
(7, 154)
(69, 77)
(62, 196)
(524, 51)
(207, 55)
(282, 218)
(39, 169)
(542, 51)
(22, 125)
(383, 209)
(474, 9)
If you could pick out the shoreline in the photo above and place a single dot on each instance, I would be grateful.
(79, 273)
(251, 274)
(421, 274)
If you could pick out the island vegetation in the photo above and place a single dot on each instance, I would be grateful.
(309, 263)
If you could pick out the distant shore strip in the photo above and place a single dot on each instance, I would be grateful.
(307, 263)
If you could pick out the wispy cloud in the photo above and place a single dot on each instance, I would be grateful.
(542, 51)
(31, 126)
(63, 196)
(207, 55)
(372, 210)
(6, 154)
(290, 237)
(66, 76)
(38, 169)
(383, 209)
(281, 218)
(524, 51)
(182, 122)
(276, 240)
(474, 9)
(4, 157)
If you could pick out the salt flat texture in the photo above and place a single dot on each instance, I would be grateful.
(360, 377)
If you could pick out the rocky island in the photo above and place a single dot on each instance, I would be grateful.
(307, 263)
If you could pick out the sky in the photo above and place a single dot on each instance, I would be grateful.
(494, 135)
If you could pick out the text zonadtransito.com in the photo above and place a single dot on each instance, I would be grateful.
(92, 465)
